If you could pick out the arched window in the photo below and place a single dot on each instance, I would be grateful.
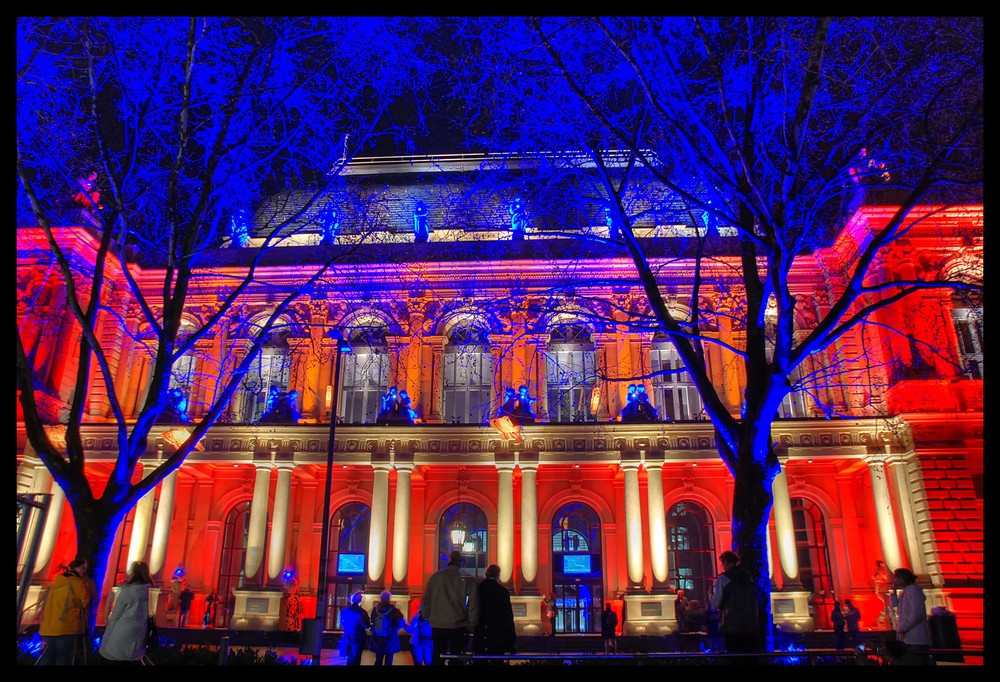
(234, 550)
(674, 394)
(347, 563)
(271, 367)
(570, 373)
(474, 546)
(577, 568)
(467, 376)
(691, 550)
(182, 373)
(365, 375)
(796, 404)
(814, 559)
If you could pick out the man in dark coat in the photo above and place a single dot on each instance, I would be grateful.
(735, 597)
(355, 622)
(494, 633)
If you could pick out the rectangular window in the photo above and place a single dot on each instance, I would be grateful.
(674, 394)
(365, 380)
(467, 387)
(570, 376)
(969, 327)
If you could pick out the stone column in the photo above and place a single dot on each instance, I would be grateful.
(161, 530)
(34, 477)
(529, 527)
(785, 529)
(436, 344)
(883, 511)
(401, 528)
(657, 526)
(633, 526)
(505, 520)
(279, 520)
(379, 529)
(258, 520)
(140, 524)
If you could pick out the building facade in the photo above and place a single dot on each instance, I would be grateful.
(882, 460)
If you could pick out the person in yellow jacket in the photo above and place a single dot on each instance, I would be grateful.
(64, 614)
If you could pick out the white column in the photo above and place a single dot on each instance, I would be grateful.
(784, 527)
(161, 530)
(529, 523)
(140, 525)
(401, 524)
(52, 522)
(279, 520)
(258, 520)
(379, 529)
(903, 494)
(883, 511)
(657, 521)
(505, 520)
(633, 524)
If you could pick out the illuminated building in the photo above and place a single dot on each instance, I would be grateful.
(581, 504)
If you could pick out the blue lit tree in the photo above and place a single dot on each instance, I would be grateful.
(189, 122)
(766, 125)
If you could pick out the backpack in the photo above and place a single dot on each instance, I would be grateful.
(384, 622)
(739, 603)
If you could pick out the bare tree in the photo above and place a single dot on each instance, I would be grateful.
(161, 137)
(759, 135)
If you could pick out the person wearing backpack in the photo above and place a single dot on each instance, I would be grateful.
(736, 598)
(386, 621)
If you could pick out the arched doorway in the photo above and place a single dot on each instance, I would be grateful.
(347, 563)
(577, 573)
(691, 550)
(463, 527)
(234, 551)
(814, 559)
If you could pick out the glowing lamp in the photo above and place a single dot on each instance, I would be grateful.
(458, 533)
(57, 435)
(177, 436)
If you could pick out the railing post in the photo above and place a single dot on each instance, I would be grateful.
(224, 651)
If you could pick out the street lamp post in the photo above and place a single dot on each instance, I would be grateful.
(312, 628)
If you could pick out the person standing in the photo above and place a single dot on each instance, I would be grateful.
(680, 611)
(210, 602)
(421, 639)
(64, 614)
(735, 597)
(184, 605)
(852, 616)
(609, 624)
(911, 618)
(451, 605)
(127, 631)
(549, 604)
(386, 620)
(354, 623)
(495, 634)
(839, 625)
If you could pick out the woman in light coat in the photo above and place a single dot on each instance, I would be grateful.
(125, 636)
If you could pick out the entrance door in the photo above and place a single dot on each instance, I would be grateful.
(580, 604)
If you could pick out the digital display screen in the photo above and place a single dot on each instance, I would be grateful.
(576, 563)
(350, 563)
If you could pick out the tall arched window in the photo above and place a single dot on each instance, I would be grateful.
(182, 372)
(577, 568)
(272, 366)
(691, 550)
(347, 563)
(674, 394)
(969, 327)
(796, 404)
(475, 538)
(570, 373)
(467, 376)
(365, 375)
(814, 559)
(234, 551)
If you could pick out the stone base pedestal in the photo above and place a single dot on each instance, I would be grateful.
(528, 618)
(649, 614)
(257, 610)
(790, 611)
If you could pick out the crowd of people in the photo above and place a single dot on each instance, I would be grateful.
(457, 615)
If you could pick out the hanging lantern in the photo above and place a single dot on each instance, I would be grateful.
(177, 436)
(595, 399)
(459, 528)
